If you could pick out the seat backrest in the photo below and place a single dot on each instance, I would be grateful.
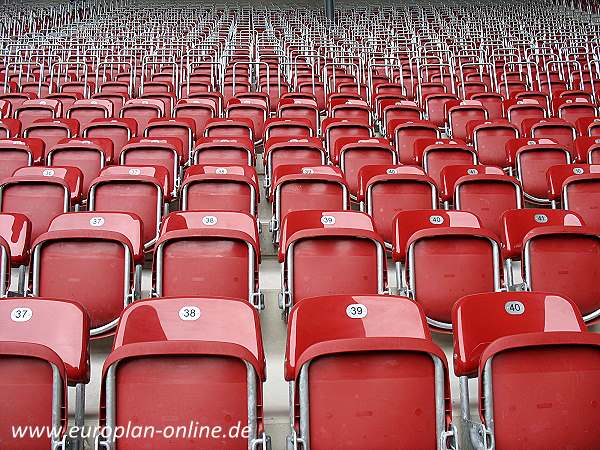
(480, 319)
(37, 320)
(517, 223)
(72, 176)
(15, 229)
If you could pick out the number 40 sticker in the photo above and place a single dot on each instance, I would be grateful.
(356, 311)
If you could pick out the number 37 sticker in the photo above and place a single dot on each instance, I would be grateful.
(356, 311)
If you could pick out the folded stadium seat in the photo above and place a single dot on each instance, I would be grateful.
(141, 190)
(529, 159)
(208, 253)
(234, 151)
(119, 131)
(352, 154)
(166, 152)
(460, 113)
(536, 365)
(41, 193)
(435, 107)
(492, 102)
(519, 110)
(338, 251)
(16, 99)
(15, 235)
(469, 87)
(574, 94)
(181, 128)
(66, 99)
(334, 129)
(404, 134)
(300, 108)
(535, 96)
(423, 88)
(255, 98)
(85, 111)
(36, 366)
(230, 128)
(444, 255)
(587, 149)
(142, 110)
(588, 126)
(571, 110)
(485, 191)
(347, 343)
(317, 90)
(214, 99)
(576, 187)
(101, 254)
(10, 128)
(275, 89)
(403, 110)
(197, 109)
(559, 130)
(384, 190)
(88, 155)
(435, 154)
(196, 369)
(224, 187)
(285, 150)
(32, 110)
(230, 90)
(17, 153)
(52, 131)
(116, 99)
(246, 109)
(380, 102)
(489, 139)
(351, 110)
(298, 187)
(292, 128)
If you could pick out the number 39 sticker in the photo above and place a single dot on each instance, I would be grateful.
(189, 313)
(356, 311)
(21, 314)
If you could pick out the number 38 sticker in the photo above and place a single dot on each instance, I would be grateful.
(189, 313)
(356, 311)
(21, 315)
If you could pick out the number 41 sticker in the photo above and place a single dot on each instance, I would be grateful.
(356, 311)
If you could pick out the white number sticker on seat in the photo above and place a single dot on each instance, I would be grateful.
(134, 171)
(48, 173)
(578, 171)
(189, 313)
(209, 220)
(391, 171)
(356, 311)
(328, 220)
(221, 171)
(472, 171)
(21, 315)
(308, 170)
(97, 221)
(436, 220)
(514, 308)
(541, 218)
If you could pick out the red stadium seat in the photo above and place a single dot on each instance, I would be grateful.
(198, 110)
(338, 251)
(17, 153)
(119, 131)
(15, 235)
(482, 190)
(36, 366)
(85, 111)
(230, 128)
(52, 131)
(32, 110)
(446, 255)
(234, 151)
(435, 154)
(527, 340)
(142, 111)
(194, 367)
(460, 113)
(384, 190)
(10, 128)
(208, 253)
(292, 128)
(405, 133)
(181, 128)
(587, 149)
(41, 193)
(283, 150)
(100, 253)
(140, 190)
(297, 187)
(489, 138)
(519, 110)
(213, 188)
(331, 341)
(529, 160)
(577, 188)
